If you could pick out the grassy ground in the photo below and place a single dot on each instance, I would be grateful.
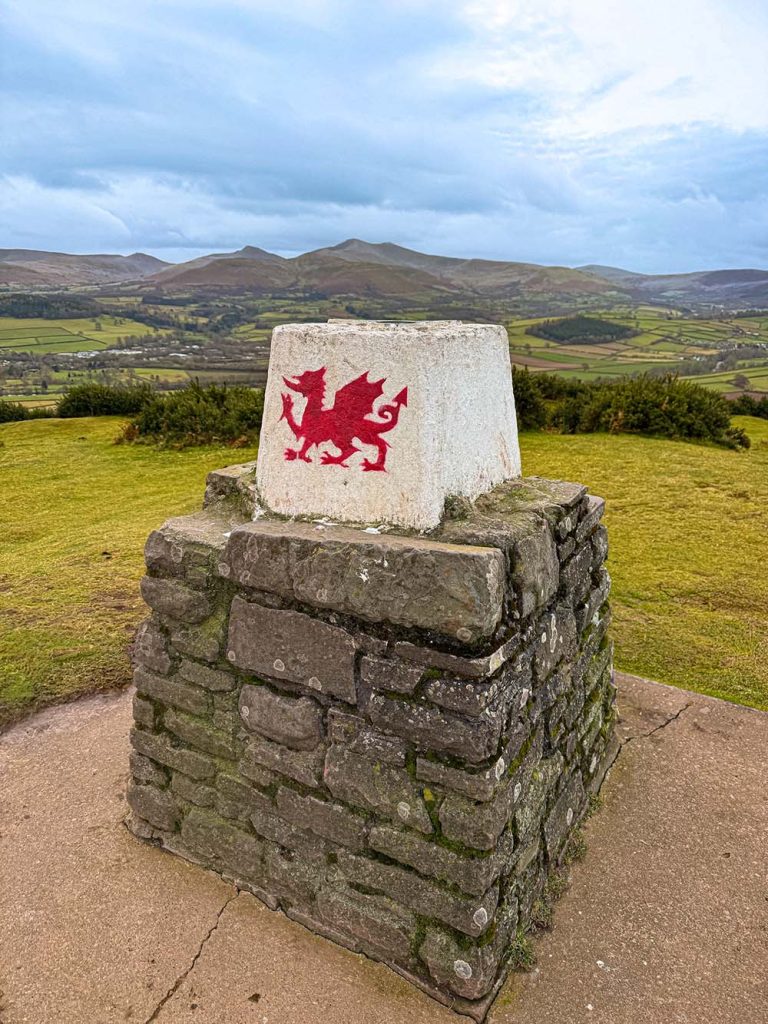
(687, 524)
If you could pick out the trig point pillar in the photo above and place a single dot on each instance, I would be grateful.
(375, 688)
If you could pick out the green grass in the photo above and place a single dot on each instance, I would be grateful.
(40, 335)
(687, 527)
(75, 511)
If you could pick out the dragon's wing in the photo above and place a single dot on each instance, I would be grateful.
(355, 400)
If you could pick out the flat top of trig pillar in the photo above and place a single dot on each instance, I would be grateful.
(380, 421)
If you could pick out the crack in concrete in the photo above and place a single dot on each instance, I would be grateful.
(656, 728)
(185, 973)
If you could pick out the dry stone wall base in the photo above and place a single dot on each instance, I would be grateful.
(398, 774)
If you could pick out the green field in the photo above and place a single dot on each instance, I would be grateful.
(37, 335)
(687, 525)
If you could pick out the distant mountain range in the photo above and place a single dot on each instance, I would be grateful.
(380, 270)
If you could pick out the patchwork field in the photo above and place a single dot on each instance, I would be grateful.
(687, 525)
(52, 336)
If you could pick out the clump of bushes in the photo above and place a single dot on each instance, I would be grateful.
(746, 405)
(93, 399)
(199, 415)
(580, 330)
(14, 412)
(655, 406)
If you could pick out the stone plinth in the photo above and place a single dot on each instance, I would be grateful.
(389, 738)
(379, 422)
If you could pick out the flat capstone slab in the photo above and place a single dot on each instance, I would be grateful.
(456, 590)
(379, 422)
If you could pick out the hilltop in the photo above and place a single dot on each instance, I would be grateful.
(381, 270)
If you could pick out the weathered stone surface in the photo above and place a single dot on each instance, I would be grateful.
(222, 845)
(595, 511)
(239, 800)
(531, 807)
(295, 876)
(596, 599)
(232, 488)
(356, 734)
(194, 792)
(293, 721)
(471, 668)
(188, 547)
(453, 590)
(204, 641)
(381, 788)
(599, 544)
(576, 574)
(160, 749)
(156, 806)
(472, 916)
(458, 435)
(150, 648)
(290, 645)
(467, 971)
(144, 770)
(172, 691)
(377, 922)
(563, 816)
(268, 823)
(473, 739)
(557, 640)
(468, 697)
(198, 733)
(390, 674)
(175, 599)
(480, 785)
(144, 712)
(209, 678)
(324, 818)
(305, 766)
(472, 874)
(477, 825)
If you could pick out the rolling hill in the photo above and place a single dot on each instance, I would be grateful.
(34, 268)
(731, 288)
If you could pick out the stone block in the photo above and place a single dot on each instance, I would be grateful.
(594, 513)
(390, 674)
(293, 721)
(239, 800)
(470, 915)
(380, 788)
(414, 412)
(209, 678)
(198, 733)
(466, 696)
(172, 691)
(205, 640)
(324, 818)
(455, 664)
(304, 766)
(576, 574)
(193, 792)
(150, 648)
(270, 825)
(295, 876)
(377, 922)
(453, 590)
(222, 845)
(144, 712)
(467, 971)
(564, 815)
(557, 640)
(144, 770)
(356, 734)
(160, 749)
(430, 728)
(175, 600)
(290, 645)
(156, 806)
(472, 874)
(232, 488)
(188, 547)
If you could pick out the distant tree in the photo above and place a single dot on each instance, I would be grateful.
(742, 382)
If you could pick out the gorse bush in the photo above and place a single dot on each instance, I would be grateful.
(14, 412)
(654, 406)
(199, 415)
(746, 405)
(92, 399)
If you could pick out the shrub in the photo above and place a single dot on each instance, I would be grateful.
(13, 412)
(654, 406)
(746, 405)
(91, 399)
(529, 403)
(199, 415)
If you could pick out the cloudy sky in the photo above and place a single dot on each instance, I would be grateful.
(626, 132)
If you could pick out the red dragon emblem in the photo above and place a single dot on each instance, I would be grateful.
(348, 420)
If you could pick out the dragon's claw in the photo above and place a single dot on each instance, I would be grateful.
(372, 467)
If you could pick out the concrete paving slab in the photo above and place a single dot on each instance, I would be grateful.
(665, 921)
